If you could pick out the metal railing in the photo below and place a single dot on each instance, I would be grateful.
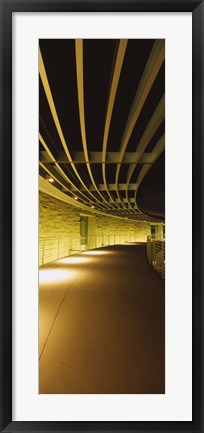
(54, 248)
(156, 254)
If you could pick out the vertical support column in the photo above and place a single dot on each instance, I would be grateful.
(159, 231)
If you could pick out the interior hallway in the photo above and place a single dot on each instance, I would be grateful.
(102, 324)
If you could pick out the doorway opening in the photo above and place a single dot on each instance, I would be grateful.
(87, 232)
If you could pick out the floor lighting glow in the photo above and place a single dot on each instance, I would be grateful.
(96, 253)
(53, 276)
(73, 260)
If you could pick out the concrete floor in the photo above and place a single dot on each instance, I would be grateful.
(102, 324)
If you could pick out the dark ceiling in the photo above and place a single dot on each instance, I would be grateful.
(102, 123)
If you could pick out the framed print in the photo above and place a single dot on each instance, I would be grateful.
(101, 216)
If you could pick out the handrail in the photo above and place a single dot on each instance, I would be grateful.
(156, 254)
(54, 248)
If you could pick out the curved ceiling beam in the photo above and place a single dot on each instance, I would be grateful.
(153, 125)
(50, 100)
(58, 166)
(51, 173)
(80, 89)
(96, 158)
(114, 85)
(149, 75)
(49, 163)
(70, 187)
(157, 151)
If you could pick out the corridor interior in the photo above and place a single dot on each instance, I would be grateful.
(102, 324)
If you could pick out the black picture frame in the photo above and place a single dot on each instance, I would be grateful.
(7, 8)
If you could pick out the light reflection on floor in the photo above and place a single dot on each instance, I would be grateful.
(53, 276)
(73, 260)
(101, 324)
(64, 270)
(95, 253)
(55, 280)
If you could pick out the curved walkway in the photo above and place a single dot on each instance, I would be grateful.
(102, 324)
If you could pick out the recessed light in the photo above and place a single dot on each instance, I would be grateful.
(50, 179)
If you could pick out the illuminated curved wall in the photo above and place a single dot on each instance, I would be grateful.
(60, 220)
